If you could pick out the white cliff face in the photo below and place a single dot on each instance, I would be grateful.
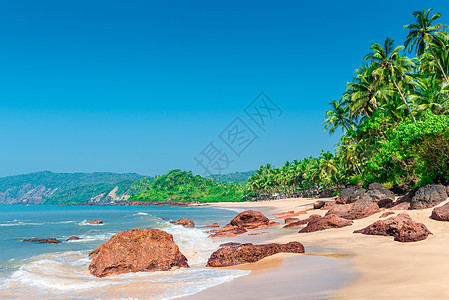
(26, 194)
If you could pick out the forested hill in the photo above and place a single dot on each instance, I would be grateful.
(236, 177)
(66, 188)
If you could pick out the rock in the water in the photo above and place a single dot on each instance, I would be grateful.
(402, 227)
(250, 219)
(428, 196)
(214, 225)
(227, 231)
(318, 204)
(326, 222)
(137, 250)
(73, 238)
(184, 222)
(94, 222)
(386, 214)
(236, 254)
(290, 220)
(441, 213)
(43, 241)
(302, 222)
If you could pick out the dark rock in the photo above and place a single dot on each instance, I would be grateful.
(441, 213)
(290, 220)
(326, 222)
(402, 227)
(137, 250)
(350, 194)
(184, 222)
(231, 255)
(428, 196)
(385, 203)
(318, 204)
(43, 241)
(250, 219)
(94, 222)
(327, 193)
(302, 222)
(386, 214)
(73, 238)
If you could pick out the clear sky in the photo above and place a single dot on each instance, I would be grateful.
(146, 86)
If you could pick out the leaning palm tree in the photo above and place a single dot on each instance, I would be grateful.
(391, 66)
(422, 33)
(338, 116)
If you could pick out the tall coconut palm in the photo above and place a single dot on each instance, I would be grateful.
(338, 116)
(391, 66)
(422, 33)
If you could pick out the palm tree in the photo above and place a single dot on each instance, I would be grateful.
(338, 116)
(391, 66)
(422, 34)
(328, 166)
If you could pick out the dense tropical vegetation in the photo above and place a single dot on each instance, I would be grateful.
(394, 115)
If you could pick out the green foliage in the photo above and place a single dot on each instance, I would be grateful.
(414, 154)
(182, 186)
(236, 177)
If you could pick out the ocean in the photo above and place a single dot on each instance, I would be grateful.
(60, 270)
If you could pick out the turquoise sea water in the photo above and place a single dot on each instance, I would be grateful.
(60, 270)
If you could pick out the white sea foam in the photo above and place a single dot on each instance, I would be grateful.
(31, 223)
(65, 274)
(89, 237)
(141, 214)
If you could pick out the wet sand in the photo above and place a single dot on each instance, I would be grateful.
(385, 269)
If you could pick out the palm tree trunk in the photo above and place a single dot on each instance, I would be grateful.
(403, 98)
(438, 63)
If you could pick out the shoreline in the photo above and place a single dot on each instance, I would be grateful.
(385, 269)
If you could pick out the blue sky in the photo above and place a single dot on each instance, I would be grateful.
(145, 86)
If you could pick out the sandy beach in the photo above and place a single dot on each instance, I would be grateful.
(382, 268)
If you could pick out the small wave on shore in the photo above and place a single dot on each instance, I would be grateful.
(141, 214)
(65, 275)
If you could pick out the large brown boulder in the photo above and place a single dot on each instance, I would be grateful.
(326, 222)
(236, 254)
(250, 219)
(441, 213)
(360, 209)
(136, 250)
(428, 196)
(402, 227)
(328, 205)
(302, 222)
(184, 222)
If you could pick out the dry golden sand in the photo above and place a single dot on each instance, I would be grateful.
(386, 269)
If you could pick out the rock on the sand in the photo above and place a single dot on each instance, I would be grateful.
(250, 219)
(441, 213)
(328, 205)
(227, 231)
(136, 250)
(326, 222)
(302, 222)
(428, 196)
(184, 222)
(386, 214)
(236, 254)
(318, 204)
(290, 220)
(402, 227)
(360, 209)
